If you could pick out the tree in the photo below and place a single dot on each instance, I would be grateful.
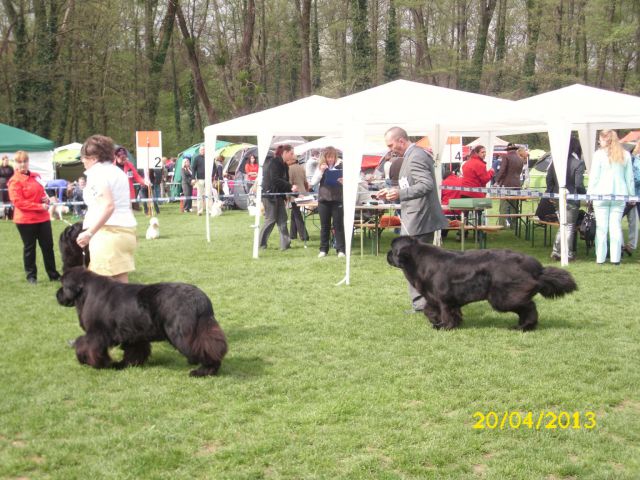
(304, 14)
(392, 47)
(315, 49)
(360, 46)
(487, 8)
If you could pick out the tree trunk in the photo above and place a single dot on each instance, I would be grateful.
(189, 43)
(21, 61)
(392, 47)
(304, 13)
(462, 45)
(244, 75)
(316, 61)
(501, 45)
(156, 55)
(603, 50)
(360, 46)
(424, 64)
(487, 8)
(176, 95)
(534, 12)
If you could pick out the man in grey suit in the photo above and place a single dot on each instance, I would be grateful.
(417, 191)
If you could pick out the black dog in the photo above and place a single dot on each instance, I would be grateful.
(448, 280)
(132, 315)
(72, 254)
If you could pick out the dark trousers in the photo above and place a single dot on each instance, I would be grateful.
(297, 223)
(187, 191)
(417, 300)
(328, 211)
(40, 232)
(275, 212)
(144, 193)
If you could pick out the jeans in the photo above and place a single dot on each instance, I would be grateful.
(275, 212)
(328, 211)
(632, 218)
(572, 216)
(608, 223)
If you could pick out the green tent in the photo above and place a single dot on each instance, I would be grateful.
(13, 139)
(192, 151)
(66, 162)
(40, 149)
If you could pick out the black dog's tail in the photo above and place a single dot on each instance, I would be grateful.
(555, 282)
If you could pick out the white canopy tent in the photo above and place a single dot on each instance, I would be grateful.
(310, 116)
(416, 107)
(586, 110)
(370, 146)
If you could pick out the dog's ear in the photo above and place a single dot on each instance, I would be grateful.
(73, 281)
(405, 258)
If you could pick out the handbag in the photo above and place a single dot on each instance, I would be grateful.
(587, 227)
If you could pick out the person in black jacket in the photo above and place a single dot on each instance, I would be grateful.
(275, 183)
(574, 184)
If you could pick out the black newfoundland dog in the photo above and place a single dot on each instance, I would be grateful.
(131, 315)
(448, 280)
(72, 254)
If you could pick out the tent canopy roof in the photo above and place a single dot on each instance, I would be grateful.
(581, 105)
(307, 116)
(13, 139)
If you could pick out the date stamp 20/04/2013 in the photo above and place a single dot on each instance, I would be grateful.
(540, 420)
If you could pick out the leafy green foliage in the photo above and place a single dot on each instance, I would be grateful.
(321, 381)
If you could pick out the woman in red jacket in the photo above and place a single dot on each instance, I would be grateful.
(122, 161)
(475, 173)
(31, 216)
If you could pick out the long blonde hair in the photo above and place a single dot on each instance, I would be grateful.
(614, 149)
(328, 151)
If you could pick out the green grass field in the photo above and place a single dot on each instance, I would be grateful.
(324, 381)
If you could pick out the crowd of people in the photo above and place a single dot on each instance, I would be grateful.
(105, 195)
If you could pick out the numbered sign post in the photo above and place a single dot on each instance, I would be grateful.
(149, 157)
(452, 151)
(149, 150)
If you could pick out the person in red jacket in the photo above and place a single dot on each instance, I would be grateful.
(475, 173)
(122, 161)
(450, 179)
(31, 216)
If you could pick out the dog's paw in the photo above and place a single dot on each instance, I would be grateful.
(204, 371)
(121, 365)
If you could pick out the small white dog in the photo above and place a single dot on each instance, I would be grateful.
(153, 231)
(56, 211)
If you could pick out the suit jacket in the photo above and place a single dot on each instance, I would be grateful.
(421, 212)
(510, 170)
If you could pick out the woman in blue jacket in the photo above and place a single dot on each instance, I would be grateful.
(611, 174)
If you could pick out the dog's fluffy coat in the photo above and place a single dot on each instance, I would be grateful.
(448, 280)
(133, 315)
(153, 231)
(71, 253)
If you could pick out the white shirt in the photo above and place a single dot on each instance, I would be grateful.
(106, 175)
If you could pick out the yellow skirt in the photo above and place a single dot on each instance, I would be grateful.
(111, 250)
